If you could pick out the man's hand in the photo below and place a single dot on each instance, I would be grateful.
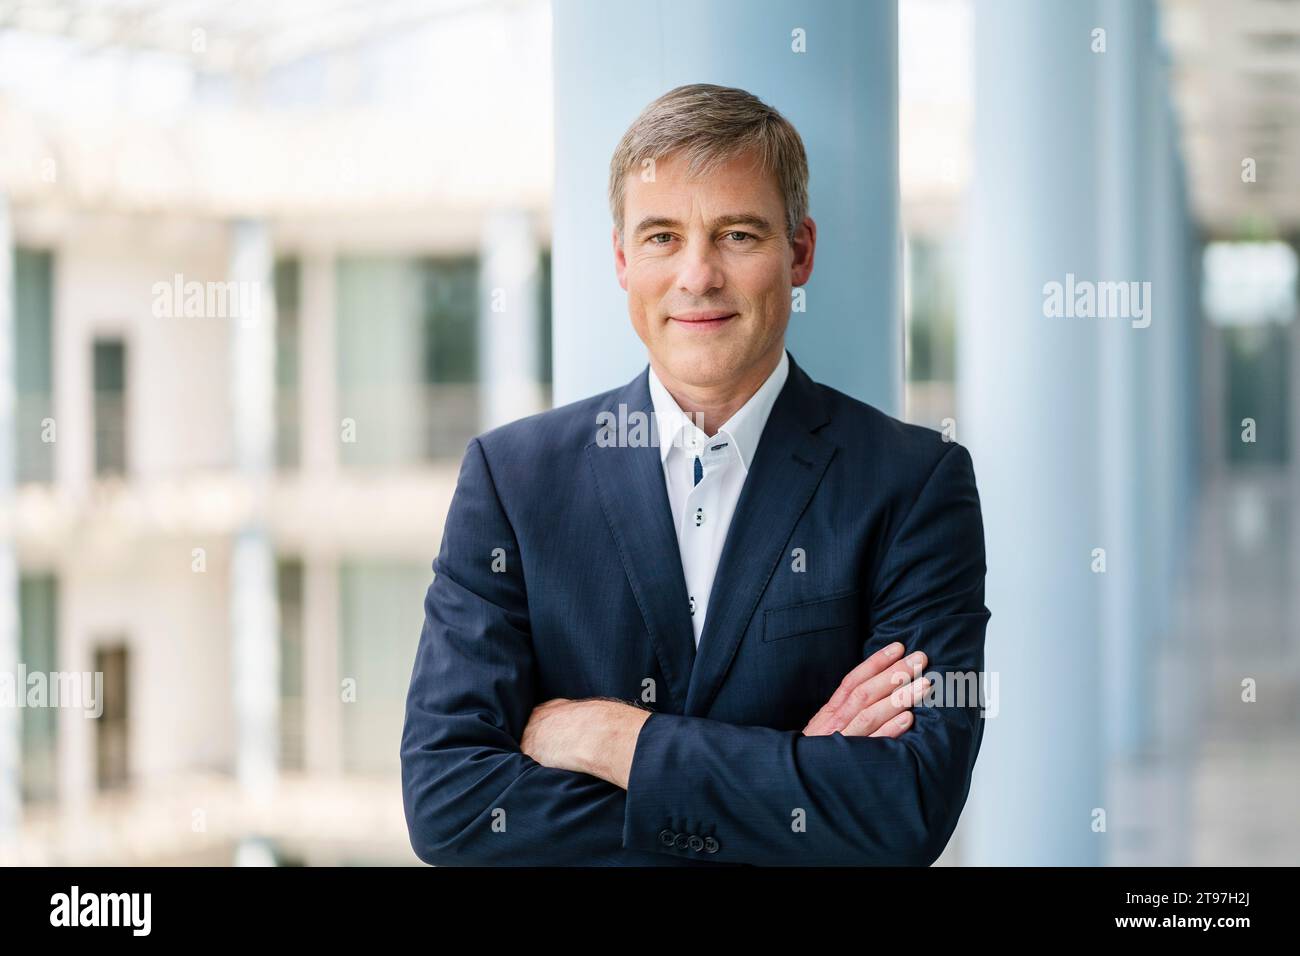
(595, 736)
(862, 706)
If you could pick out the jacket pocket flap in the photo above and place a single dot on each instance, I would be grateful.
(820, 614)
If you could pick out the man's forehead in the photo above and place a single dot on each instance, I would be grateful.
(734, 183)
(675, 168)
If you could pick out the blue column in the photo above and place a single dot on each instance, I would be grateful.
(1125, 428)
(1028, 412)
(10, 717)
(1291, 398)
(612, 59)
(254, 613)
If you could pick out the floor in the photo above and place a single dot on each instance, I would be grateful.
(1220, 785)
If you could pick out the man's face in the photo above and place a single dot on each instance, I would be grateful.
(708, 270)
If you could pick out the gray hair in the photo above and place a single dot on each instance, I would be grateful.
(709, 125)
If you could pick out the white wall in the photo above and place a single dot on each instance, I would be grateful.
(178, 368)
(176, 624)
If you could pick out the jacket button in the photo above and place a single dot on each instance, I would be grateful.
(695, 842)
(711, 845)
(680, 842)
(666, 837)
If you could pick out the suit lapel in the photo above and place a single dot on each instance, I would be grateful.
(786, 470)
(629, 481)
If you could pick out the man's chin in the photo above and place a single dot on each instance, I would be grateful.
(699, 366)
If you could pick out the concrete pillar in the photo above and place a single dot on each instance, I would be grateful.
(1028, 398)
(1293, 379)
(832, 69)
(1290, 662)
(74, 393)
(509, 324)
(1124, 427)
(10, 716)
(253, 599)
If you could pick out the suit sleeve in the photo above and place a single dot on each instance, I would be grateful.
(470, 795)
(774, 797)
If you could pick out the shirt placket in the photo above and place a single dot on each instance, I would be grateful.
(699, 518)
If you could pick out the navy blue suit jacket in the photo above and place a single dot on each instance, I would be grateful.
(559, 575)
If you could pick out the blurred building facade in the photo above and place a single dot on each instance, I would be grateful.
(264, 290)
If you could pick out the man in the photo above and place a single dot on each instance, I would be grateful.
(704, 644)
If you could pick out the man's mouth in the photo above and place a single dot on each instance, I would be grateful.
(703, 321)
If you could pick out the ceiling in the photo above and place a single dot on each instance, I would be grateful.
(1235, 68)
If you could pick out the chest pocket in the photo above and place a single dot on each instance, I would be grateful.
(807, 617)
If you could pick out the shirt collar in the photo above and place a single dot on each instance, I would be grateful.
(744, 428)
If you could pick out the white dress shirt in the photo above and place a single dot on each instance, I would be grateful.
(702, 512)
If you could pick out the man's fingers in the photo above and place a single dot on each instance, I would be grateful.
(901, 700)
(882, 713)
(877, 688)
(872, 666)
(895, 726)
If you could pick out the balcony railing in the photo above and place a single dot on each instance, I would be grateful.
(394, 426)
(34, 445)
(110, 433)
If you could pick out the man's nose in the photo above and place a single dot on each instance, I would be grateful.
(701, 269)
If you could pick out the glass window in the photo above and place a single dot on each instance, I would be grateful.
(38, 639)
(930, 275)
(381, 614)
(1257, 388)
(289, 573)
(287, 337)
(110, 406)
(544, 369)
(407, 359)
(33, 365)
(111, 728)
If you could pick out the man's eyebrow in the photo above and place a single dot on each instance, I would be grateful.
(731, 219)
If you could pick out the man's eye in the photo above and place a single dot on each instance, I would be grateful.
(743, 235)
(660, 235)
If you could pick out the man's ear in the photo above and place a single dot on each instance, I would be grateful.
(620, 260)
(804, 245)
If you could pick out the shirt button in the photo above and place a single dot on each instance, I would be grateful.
(692, 606)
(699, 517)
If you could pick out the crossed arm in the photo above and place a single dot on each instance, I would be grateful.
(489, 778)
